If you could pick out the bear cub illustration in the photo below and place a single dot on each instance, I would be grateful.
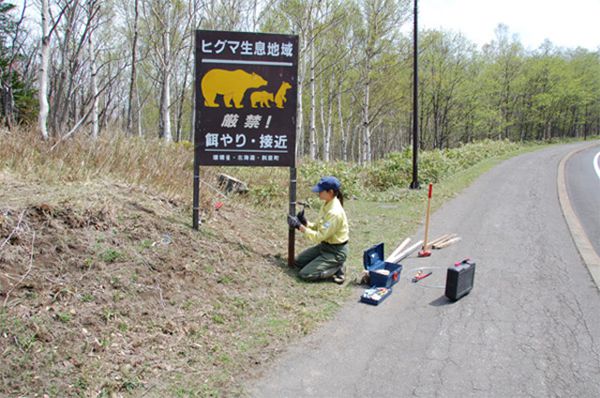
(280, 97)
(262, 98)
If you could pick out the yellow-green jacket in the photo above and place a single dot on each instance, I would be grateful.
(331, 226)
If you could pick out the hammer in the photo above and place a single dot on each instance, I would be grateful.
(424, 252)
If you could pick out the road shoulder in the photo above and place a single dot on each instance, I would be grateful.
(580, 238)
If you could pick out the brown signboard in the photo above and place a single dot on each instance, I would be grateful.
(246, 94)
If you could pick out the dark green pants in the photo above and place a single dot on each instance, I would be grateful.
(321, 261)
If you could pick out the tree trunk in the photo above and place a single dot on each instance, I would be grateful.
(132, 83)
(94, 84)
(64, 81)
(299, 113)
(165, 97)
(7, 101)
(366, 147)
(182, 97)
(323, 123)
(43, 75)
(313, 127)
(329, 127)
(342, 131)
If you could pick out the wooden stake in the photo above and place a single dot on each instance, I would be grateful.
(398, 249)
(446, 239)
(440, 239)
(447, 243)
(402, 255)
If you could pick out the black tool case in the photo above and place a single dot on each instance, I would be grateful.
(459, 279)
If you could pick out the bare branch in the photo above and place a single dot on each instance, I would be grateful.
(13, 231)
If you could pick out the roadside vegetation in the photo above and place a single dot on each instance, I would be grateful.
(105, 289)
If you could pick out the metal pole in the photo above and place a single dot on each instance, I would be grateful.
(196, 208)
(195, 126)
(292, 231)
(415, 179)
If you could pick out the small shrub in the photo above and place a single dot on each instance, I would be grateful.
(87, 298)
(64, 317)
(81, 384)
(218, 318)
(350, 175)
(110, 255)
(267, 193)
(26, 340)
(108, 314)
(130, 384)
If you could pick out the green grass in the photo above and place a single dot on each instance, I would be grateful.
(110, 255)
(64, 317)
(222, 301)
(399, 211)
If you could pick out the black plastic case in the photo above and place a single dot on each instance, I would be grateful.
(459, 279)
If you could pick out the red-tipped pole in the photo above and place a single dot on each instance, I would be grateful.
(424, 252)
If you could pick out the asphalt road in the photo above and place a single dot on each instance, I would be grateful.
(529, 328)
(583, 187)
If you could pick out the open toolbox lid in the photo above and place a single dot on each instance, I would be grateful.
(373, 258)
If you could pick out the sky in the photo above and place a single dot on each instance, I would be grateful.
(570, 23)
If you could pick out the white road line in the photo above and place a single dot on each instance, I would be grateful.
(596, 166)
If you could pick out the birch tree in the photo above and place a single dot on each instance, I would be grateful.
(354, 96)
(93, 7)
(133, 99)
(381, 22)
(43, 79)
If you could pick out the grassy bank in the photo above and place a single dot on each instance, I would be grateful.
(105, 289)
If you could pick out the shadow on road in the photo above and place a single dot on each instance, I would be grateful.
(440, 301)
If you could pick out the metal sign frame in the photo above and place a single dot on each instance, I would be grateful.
(245, 106)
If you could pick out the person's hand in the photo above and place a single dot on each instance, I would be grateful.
(302, 218)
(293, 222)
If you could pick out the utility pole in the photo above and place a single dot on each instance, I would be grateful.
(415, 179)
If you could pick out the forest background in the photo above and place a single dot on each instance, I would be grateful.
(127, 66)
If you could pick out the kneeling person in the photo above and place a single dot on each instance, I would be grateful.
(330, 231)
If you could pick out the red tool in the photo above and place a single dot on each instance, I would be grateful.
(424, 252)
(420, 276)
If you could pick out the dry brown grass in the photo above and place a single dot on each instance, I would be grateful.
(105, 289)
(139, 161)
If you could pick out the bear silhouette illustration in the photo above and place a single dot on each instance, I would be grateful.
(231, 84)
(261, 98)
(280, 98)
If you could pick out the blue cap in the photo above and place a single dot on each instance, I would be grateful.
(327, 183)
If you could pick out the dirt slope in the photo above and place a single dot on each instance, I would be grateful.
(106, 291)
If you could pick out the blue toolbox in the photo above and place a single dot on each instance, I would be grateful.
(375, 295)
(381, 273)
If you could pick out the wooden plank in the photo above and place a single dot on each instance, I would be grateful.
(406, 252)
(440, 239)
(400, 247)
(447, 243)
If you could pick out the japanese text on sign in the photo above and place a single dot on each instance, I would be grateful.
(246, 47)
